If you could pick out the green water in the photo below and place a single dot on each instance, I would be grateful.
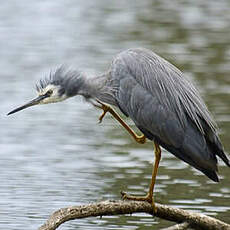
(57, 155)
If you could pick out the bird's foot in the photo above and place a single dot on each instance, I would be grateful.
(102, 106)
(148, 198)
(105, 109)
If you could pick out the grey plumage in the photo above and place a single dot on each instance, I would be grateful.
(167, 108)
(163, 104)
(167, 83)
(69, 81)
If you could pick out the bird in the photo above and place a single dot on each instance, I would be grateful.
(160, 100)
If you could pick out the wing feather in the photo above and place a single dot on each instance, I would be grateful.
(168, 84)
(166, 107)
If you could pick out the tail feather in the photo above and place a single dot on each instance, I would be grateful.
(223, 156)
(198, 152)
(214, 143)
(211, 174)
(197, 149)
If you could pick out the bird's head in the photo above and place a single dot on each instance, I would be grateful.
(59, 86)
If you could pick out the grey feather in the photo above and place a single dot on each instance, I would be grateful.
(168, 84)
(167, 108)
(69, 81)
(156, 95)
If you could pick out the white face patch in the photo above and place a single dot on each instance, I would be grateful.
(54, 95)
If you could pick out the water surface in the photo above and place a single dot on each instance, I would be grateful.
(57, 155)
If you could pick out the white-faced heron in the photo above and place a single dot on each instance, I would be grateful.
(162, 103)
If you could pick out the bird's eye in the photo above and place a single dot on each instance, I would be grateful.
(49, 92)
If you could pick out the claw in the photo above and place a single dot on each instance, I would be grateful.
(123, 195)
(105, 110)
(148, 198)
(102, 116)
(102, 106)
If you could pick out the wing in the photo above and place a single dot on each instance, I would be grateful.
(166, 82)
(151, 92)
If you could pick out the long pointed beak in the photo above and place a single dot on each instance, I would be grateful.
(31, 103)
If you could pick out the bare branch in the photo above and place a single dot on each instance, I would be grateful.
(182, 226)
(105, 208)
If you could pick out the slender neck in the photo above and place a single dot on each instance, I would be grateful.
(98, 87)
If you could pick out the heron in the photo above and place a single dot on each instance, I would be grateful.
(163, 104)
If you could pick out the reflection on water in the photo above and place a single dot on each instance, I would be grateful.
(57, 155)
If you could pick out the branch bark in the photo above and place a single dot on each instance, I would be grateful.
(182, 226)
(105, 208)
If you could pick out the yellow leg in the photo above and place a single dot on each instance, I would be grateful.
(149, 197)
(140, 139)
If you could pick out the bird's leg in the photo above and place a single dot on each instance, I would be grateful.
(149, 197)
(106, 108)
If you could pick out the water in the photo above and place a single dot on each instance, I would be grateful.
(57, 155)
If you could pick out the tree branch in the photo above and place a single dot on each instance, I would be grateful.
(182, 226)
(105, 208)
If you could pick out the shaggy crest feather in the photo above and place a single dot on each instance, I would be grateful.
(61, 76)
